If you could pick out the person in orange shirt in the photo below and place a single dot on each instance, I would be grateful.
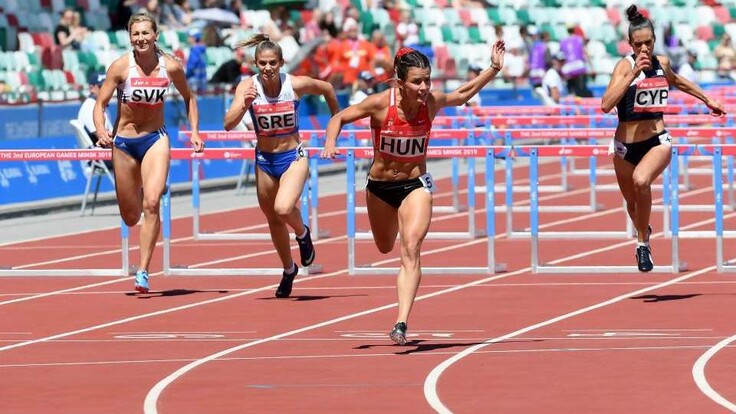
(383, 67)
(356, 53)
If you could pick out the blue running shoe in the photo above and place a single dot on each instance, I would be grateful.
(306, 248)
(141, 281)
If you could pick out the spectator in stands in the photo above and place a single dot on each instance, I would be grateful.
(539, 56)
(140, 150)
(356, 53)
(231, 71)
(552, 88)
(311, 29)
(638, 89)
(363, 87)
(327, 23)
(515, 67)
(399, 188)
(575, 68)
(197, 63)
(65, 34)
(153, 8)
(473, 72)
(382, 65)
(172, 15)
(687, 69)
(86, 111)
(272, 98)
(84, 116)
(407, 31)
(726, 56)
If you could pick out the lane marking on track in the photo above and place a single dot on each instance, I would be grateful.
(351, 356)
(430, 383)
(701, 381)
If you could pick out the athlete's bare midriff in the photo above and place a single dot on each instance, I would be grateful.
(385, 170)
(137, 122)
(278, 144)
(636, 131)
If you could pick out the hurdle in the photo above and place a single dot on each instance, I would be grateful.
(717, 152)
(534, 153)
(68, 155)
(435, 152)
(310, 188)
(457, 136)
(183, 270)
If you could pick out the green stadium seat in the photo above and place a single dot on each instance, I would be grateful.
(718, 30)
(36, 79)
(447, 35)
(494, 16)
(523, 16)
(474, 34)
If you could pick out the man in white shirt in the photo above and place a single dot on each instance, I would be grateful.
(687, 69)
(85, 112)
(552, 87)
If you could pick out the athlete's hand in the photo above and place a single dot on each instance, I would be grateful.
(250, 95)
(716, 107)
(329, 151)
(497, 53)
(641, 63)
(104, 139)
(197, 143)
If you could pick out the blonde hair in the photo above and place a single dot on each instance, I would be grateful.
(262, 42)
(143, 17)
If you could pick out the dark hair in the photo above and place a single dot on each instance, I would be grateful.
(637, 21)
(409, 58)
(262, 42)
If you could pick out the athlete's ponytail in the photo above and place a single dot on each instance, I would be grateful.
(262, 42)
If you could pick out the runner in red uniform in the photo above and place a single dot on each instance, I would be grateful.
(399, 196)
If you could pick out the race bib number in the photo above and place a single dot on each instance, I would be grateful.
(273, 119)
(427, 182)
(405, 149)
(651, 95)
(665, 139)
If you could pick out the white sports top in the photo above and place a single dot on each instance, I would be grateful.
(275, 117)
(141, 90)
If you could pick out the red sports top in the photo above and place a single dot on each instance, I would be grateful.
(400, 140)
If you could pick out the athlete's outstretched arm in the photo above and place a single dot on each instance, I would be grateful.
(176, 73)
(469, 89)
(690, 88)
(307, 85)
(367, 107)
(245, 93)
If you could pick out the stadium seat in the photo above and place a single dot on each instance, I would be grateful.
(97, 168)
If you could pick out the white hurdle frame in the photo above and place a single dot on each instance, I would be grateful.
(675, 267)
(240, 136)
(68, 155)
(434, 152)
(183, 270)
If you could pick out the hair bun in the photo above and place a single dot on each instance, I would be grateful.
(633, 13)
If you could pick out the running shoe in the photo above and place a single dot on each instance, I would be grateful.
(306, 248)
(644, 258)
(398, 334)
(141, 281)
(284, 289)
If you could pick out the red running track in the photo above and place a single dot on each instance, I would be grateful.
(512, 342)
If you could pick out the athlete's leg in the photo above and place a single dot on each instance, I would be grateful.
(415, 215)
(289, 192)
(128, 186)
(267, 188)
(384, 222)
(154, 170)
(625, 178)
(649, 168)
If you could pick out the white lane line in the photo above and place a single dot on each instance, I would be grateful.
(348, 356)
(702, 382)
(430, 383)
